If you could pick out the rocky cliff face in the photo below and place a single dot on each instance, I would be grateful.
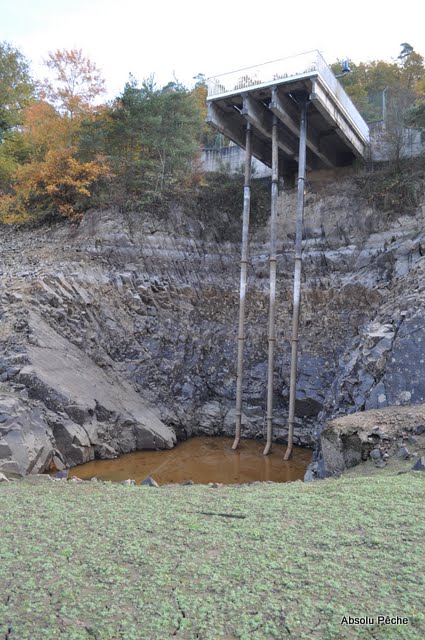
(120, 333)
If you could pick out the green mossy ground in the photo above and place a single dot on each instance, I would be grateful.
(104, 561)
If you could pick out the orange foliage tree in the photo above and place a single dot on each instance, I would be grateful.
(58, 184)
(51, 178)
(43, 128)
(75, 84)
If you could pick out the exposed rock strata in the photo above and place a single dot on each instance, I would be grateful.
(121, 332)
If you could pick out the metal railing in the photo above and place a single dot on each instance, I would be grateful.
(283, 70)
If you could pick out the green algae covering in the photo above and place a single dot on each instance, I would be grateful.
(112, 562)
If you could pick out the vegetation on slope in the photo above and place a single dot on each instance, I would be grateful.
(62, 151)
(380, 89)
(262, 561)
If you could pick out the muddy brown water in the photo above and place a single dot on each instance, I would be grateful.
(203, 460)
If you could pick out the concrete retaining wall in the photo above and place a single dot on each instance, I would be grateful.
(231, 159)
(383, 141)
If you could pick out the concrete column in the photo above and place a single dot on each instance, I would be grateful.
(297, 277)
(272, 303)
(242, 290)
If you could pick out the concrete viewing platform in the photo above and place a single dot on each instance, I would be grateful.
(336, 132)
(292, 115)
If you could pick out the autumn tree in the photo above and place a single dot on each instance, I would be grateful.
(58, 185)
(75, 84)
(372, 85)
(365, 84)
(43, 128)
(50, 177)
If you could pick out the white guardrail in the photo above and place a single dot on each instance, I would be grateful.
(293, 67)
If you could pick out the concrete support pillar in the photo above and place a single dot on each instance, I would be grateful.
(297, 276)
(272, 304)
(242, 294)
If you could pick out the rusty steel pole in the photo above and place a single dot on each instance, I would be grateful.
(242, 290)
(272, 337)
(297, 277)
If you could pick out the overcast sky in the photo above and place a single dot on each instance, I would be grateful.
(186, 38)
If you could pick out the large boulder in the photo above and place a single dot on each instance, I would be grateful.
(71, 409)
(346, 441)
(26, 442)
(69, 382)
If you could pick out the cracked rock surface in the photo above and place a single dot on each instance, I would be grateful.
(120, 333)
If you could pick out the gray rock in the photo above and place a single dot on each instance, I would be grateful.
(376, 454)
(105, 452)
(127, 483)
(311, 473)
(403, 453)
(61, 474)
(419, 464)
(26, 442)
(211, 417)
(149, 482)
(57, 462)
(3, 478)
(37, 478)
(11, 468)
(5, 451)
(187, 483)
(419, 430)
(346, 441)
(339, 453)
(380, 464)
(79, 388)
(72, 441)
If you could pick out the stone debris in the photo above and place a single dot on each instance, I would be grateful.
(149, 482)
(380, 464)
(403, 453)
(419, 464)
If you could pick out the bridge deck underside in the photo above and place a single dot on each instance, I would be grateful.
(333, 140)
